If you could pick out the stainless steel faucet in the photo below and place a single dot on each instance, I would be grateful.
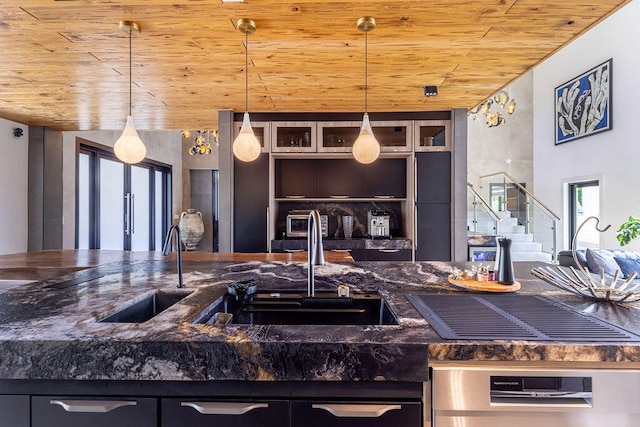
(315, 253)
(174, 230)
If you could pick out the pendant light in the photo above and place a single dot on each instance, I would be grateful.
(129, 148)
(366, 148)
(246, 146)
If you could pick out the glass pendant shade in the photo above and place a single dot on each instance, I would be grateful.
(246, 146)
(366, 149)
(129, 148)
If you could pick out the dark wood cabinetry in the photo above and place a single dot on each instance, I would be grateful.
(250, 202)
(206, 413)
(385, 177)
(433, 206)
(52, 411)
(14, 411)
(338, 177)
(323, 178)
(355, 414)
(217, 403)
(295, 177)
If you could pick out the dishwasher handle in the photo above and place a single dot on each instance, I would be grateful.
(542, 399)
(356, 410)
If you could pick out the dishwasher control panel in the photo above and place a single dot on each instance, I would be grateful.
(542, 387)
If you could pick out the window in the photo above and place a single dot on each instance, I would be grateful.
(584, 201)
(120, 206)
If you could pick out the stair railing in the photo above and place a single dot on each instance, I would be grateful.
(483, 219)
(539, 219)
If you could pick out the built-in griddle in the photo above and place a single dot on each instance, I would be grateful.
(513, 317)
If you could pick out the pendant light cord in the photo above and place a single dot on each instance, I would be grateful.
(366, 71)
(246, 71)
(130, 68)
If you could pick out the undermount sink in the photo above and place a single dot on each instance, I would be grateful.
(290, 307)
(146, 308)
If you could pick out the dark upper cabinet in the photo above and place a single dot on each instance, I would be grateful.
(295, 177)
(433, 180)
(339, 177)
(323, 178)
(385, 177)
(250, 199)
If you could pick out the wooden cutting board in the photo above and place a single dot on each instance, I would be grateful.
(474, 285)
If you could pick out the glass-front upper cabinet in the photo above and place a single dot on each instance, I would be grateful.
(293, 137)
(432, 135)
(336, 137)
(260, 130)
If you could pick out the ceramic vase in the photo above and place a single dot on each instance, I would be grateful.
(191, 228)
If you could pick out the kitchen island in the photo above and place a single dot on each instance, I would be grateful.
(46, 325)
(52, 339)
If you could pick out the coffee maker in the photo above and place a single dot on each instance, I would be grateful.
(378, 224)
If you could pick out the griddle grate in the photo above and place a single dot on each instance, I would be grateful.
(516, 317)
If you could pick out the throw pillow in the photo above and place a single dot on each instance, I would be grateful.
(628, 266)
(597, 259)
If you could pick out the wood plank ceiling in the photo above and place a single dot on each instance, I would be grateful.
(65, 63)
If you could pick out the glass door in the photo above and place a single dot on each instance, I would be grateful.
(120, 206)
(111, 211)
(584, 201)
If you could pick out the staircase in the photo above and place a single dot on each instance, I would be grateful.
(523, 248)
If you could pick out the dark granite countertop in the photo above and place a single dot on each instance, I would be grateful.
(49, 329)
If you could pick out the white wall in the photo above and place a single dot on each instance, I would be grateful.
(13, 188)
(611, 156)
(489, 149)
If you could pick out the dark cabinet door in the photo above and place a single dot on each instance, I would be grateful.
(433, 227)
(295, 177)
(250, 200)
(14, 411)
(433, 177)
(355, 414)
(201, 413)
(339, 177)
(51, 411)
(385, 177)
(388, 254)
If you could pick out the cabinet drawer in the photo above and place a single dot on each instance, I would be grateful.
(199, 412)
(356, 414)
(52, 411)
(388, 254)
(14, 411)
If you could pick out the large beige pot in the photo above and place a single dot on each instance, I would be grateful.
(191, 228)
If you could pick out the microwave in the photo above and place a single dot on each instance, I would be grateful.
(297, 224)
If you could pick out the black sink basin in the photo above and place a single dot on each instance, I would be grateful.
(275, 307)
(142, 310)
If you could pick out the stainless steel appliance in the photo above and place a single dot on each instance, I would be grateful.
(298, 220)
(378, 224)
(500, 396)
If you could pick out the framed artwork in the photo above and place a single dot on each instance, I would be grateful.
(583, 104)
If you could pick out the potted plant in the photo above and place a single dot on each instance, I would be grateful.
(628, 231)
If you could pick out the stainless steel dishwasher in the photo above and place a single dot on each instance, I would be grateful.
(501, 396)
